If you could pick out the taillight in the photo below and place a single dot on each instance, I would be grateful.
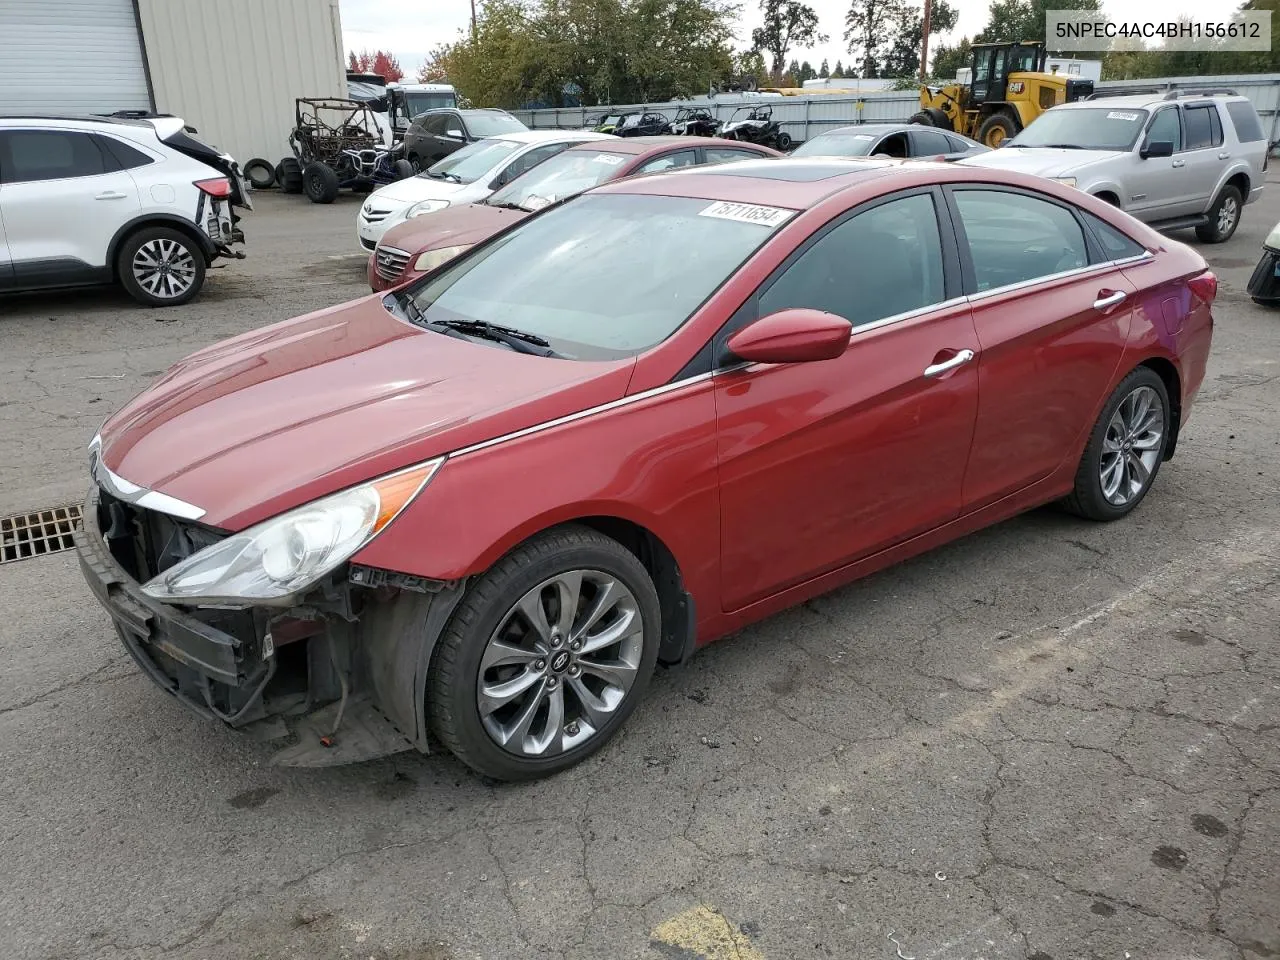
(1205, 286)
(219, 187)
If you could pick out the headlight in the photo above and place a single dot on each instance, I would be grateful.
(426, 206)
(281, 556)
(1068, 181)
(434, 258)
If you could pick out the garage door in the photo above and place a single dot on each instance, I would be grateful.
(70, 56)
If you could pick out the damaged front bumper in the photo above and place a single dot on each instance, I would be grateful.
(300, 673)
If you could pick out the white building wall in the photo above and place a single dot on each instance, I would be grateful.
(232, 68)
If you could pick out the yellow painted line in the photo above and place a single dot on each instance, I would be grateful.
(706, 935)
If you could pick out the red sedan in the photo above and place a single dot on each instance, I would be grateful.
(485, 505)
(409, 250)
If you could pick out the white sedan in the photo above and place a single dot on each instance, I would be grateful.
(465, 176)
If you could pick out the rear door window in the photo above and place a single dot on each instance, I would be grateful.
(1245, 119)
(930, 143)
(879, 263)
(28, 156)
(681, 158)
(728, 155)
(1203, 127)
(1014, 237)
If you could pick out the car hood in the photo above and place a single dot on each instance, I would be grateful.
(452, 227)
(263, 422)
(413, 189)
(1040, 161)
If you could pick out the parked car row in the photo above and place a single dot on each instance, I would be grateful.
(733, 386)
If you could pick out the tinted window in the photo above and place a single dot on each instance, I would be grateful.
(960, 146)
(29, 155)
(885, 261)
(1115, 245)
(492, 124)
(1165, 126)
(728, 155)
(682, 158)
(125, 156)
(1245, 119)
(837, 145)
(1201, 123)
(1014, 237)
(602, 276)
(930, 143)
(435, 125)
(527, 161)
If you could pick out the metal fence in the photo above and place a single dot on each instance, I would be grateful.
(805, 117)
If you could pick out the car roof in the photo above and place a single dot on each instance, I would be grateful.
(547, 136)
(52, 118)
(868, 128)
(799, 183)
(1149, 100)
(641, 145)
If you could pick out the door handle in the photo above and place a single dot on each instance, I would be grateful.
(1224, 156)
(1179, 163)
(110, 195)
(1105, 303)
(938, 369)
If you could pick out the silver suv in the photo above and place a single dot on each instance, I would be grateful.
(1174, 160)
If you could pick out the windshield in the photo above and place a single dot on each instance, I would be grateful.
(472, 162)
(609, 120)
(837, 145)
(1091, 128)
(416, 103)
(604, 276)
(365, 90)
(492, 124)
(559, 177)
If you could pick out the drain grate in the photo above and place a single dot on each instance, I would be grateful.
(30, 535)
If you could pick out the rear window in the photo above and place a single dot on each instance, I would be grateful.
(1245, 119)
(837, 145)
(492, 124)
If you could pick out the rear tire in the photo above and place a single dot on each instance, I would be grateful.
(289, 175)
(784, 141)
(320, 182)
(491, 644)
(1224, 217)
(1125, 449)
(404, 169)
(260, 173)
(160, 267)
(996, 129)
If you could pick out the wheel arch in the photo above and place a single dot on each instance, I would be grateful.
(1168, 374)
(146, 220)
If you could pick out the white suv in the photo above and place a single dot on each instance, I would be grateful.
(94, 200)
(1174, 160)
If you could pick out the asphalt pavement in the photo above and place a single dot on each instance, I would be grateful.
(1052, 740)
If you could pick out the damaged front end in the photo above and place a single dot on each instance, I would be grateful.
(331, 672)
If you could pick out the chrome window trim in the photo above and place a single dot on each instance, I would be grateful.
(1061, 275)
(122, 489)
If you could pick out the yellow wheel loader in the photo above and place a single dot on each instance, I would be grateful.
(1007, 89)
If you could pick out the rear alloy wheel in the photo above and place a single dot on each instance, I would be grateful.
(1224, 217)
(546, 656)
(161, 267)
(996, 129)
(1125, 449)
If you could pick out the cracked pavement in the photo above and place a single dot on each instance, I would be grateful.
(1051, 740)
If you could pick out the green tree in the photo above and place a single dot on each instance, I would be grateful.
(806, 72)
(1015, 20)
(947, 60)
(869, 32)
(787, 24)
(903, 56)
(824, 71)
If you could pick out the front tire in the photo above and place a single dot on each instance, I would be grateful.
(1224, 217)
(1125, 449)
(784, 141)
(996, 129)
(546, 656)
(160, 267)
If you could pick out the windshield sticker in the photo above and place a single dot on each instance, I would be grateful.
(748, 213)
(535, 202)
(610, 158)
(1118, 115)
(863, 136)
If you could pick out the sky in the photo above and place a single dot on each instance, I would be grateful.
(411, 28)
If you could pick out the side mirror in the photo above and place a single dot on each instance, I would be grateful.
(1157, 148)
(792, 336)
(453, 134)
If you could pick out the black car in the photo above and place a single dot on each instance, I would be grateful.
(435, 134)
(642, 125)
(889, 139)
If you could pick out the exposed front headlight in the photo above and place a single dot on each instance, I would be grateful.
(434, 258)
(426, 206)
(1068, 181)
(286, 554)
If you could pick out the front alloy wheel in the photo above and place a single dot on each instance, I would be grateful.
(546, 655)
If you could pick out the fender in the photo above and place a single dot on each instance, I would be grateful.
(1235, 168)
(1112, 187)
(163, 220)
